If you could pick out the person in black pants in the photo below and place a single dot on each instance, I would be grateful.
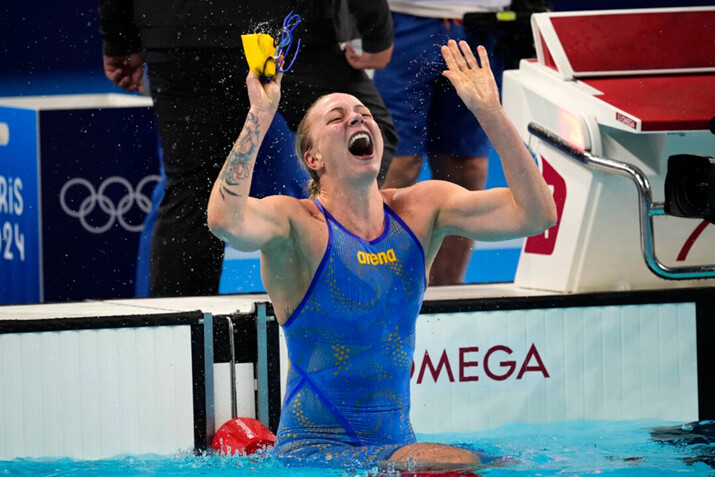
(196, 70)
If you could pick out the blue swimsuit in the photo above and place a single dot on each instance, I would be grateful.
(350, 344)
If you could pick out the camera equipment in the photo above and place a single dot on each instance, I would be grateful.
(690, 187)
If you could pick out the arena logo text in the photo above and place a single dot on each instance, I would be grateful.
(376, 258)
(494, 365)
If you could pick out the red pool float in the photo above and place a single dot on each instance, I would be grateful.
(242, 435)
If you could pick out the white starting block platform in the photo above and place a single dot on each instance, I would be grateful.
(633, 86)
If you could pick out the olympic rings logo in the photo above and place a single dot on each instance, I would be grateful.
(115, 212)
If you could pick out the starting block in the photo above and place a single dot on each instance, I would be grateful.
(634, 87)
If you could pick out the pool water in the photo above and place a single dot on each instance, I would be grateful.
(571, 448)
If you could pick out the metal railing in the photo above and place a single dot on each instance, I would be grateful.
(647, 209)
(232, 368)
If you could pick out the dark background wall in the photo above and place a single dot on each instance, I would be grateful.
(38, 37)
(50, 48)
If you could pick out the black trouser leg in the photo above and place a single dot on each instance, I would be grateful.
(197, 97)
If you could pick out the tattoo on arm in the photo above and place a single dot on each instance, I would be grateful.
(239, 165)
(223, 190)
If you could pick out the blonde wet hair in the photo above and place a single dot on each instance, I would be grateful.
(303, 143)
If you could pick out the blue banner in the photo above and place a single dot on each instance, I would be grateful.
(20, 275)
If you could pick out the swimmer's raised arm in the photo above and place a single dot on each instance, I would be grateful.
(526, 207)
(244, 222)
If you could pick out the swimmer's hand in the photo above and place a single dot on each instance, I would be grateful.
(474, 84)
(264, 96)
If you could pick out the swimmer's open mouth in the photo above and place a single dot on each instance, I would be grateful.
(360, 144)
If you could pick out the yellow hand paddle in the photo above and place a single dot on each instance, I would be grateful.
(260, 50)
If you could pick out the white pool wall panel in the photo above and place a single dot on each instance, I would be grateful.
(245, 392)
(92, 394)
(603, 363)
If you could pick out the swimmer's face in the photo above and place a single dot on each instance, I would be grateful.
(345, 137)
